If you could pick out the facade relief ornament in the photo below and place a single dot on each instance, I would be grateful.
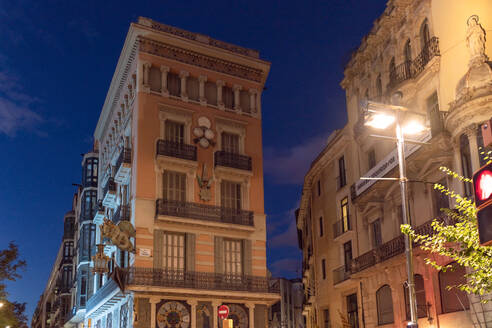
(119, 234)
(475, 41)
(205, 182)
(203, 133)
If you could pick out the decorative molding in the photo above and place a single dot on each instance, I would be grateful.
(196, 59)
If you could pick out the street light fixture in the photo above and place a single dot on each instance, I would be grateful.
(382, 116)
(1, 305)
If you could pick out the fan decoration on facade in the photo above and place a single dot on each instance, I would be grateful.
(203, 133)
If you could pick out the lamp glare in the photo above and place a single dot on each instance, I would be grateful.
(413, 127)
(380, 121)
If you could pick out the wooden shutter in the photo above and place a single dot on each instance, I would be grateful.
(247, 257)
(190, 252)
(158, 234)
(219, 254)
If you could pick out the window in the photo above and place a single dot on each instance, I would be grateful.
(86, 241)
(89, 172)
(344, 211)
(376, 233)
(466, 163)
(379, 87)
(454, 299)
(174, 84)
(244, 101)
(228, 97)
(321, 228)
(193, 88)
(174, 186)
(68, 227)
(89, 201)
(419, 294)
(424, 34)
(211, 93)
(323, 268)
(155, 80)
(352, 311)
(318, 186)
(434, 115)
(326, 318)
(371, 158)
(341, 172)
(230, 194)
(173, 251)
(347, 255)
(440, 199)
(230, 142)
(67, 250)
(233, 257)
(385, 305)
(67, 277)
(174, 131)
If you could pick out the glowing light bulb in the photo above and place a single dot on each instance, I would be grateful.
(484, 185)
(413, 127)
(380, 121)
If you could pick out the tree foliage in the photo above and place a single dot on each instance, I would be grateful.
(458, 240)
(11, 313)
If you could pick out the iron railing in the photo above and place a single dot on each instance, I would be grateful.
(198, 280)
(340, 274)
(125, 157)
(101, 294)
(233, 160)
(411, 68)
(176, 149)
(122, 214)
(109, 186)
(204, 212)
(340, 227)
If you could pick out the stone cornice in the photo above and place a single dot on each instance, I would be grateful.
(161, 49)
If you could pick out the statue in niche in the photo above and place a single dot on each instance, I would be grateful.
(205, 182)
(475, 40)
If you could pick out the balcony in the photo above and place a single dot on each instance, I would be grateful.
(340, 274)
(411, 68)
(123, 213)
(199, 280)
(237, 161)
(392, 248)
(98, 218)
(339, 228)
(124, 166)
(108, 292)
(176, 149)
(204, 212)
(109, 192)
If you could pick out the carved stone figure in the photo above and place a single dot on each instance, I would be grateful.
(205, 182)
(475, 39)
(119, 234)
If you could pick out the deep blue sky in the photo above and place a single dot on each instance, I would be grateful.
(56, 62)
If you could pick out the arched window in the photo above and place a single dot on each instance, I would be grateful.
(384, 305)
(420, 295)
(454, 299)
(379, 87)
(424, 34)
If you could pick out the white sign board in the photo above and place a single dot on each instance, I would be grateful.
(145, 252)
(387, 164)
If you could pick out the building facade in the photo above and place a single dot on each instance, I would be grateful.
(179, 166)
(435, 53)
(287, 313)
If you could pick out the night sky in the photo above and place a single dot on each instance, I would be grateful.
(57, 59)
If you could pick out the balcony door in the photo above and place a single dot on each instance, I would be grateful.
(174, 132)
(173, 256)
(174, 186)
(233, 261)
(230, 142)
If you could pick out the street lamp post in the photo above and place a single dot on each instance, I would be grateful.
(383, 116)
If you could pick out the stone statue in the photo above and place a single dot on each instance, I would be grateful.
(475, 39)
(119, 234)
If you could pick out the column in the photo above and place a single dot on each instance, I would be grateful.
(237, 98)
(251, 307)
(146, 70)
(164, 71)
(202, 79)
(455, 184)
(153, 301)
(252, 100)
(220, 103)
(193, 304)
(471, 132)
(215, 314)
(183, 75)
(258, 102)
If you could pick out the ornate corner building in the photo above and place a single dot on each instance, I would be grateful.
(178, 160)
(435, 52)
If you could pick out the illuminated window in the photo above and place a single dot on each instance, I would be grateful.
(344, 211)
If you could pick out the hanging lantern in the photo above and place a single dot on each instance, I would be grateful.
(100, 260)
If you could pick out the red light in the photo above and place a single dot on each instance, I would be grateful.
(484, 185)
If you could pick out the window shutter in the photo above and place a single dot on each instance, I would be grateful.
(190, 252)
(247, 257)
(158, 234)
(219, 254)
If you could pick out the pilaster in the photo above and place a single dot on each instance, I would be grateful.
(472, 132)
(193, 304)
(237, 98)
(252, 100)
(251, 307)
(146, 70)
(215, 306)
(220, 103)
(153, 303)
(183, 75)
(202, 79)
(164, 72)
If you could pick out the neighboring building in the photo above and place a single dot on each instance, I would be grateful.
(55, 302)
(434, 52)
(287, 313)
(179, 157)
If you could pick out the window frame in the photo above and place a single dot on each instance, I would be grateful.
(379, 307)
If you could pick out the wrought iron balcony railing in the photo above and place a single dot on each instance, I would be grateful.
(233, 160)
(125, 157)
(110, 186)
(341, 226)
(204, 212)
(122, 214)
(176, 149)
(199, 280)
(340, 274)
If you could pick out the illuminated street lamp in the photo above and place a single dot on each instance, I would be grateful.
(382, 116)
(100, 260)
(1, 305)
